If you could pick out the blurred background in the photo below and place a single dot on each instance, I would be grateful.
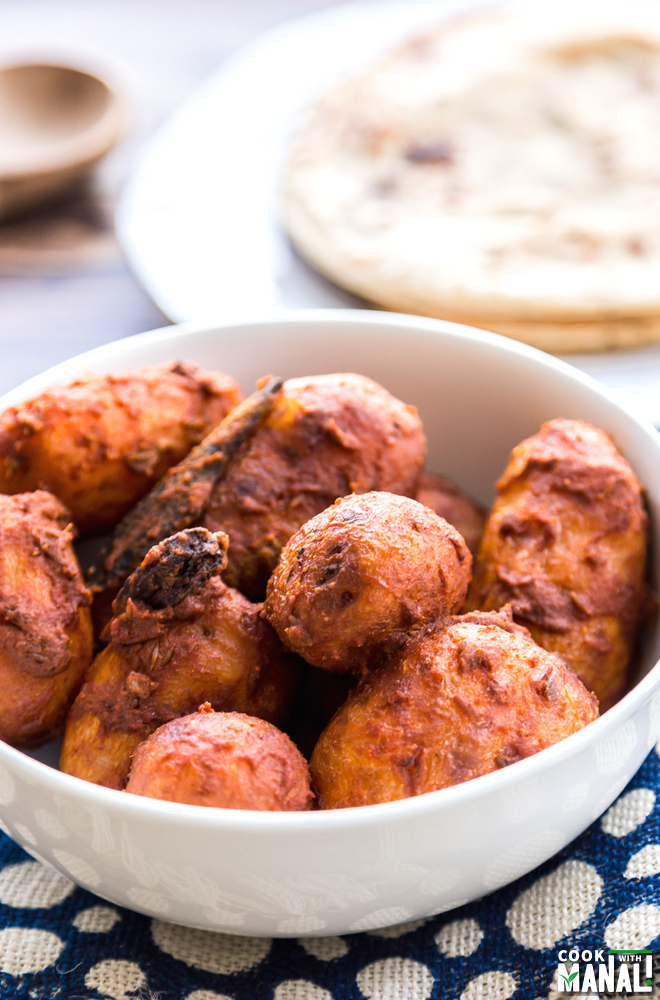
(64, 284)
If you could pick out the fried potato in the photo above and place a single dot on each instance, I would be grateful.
(565, 545)
(326, 436)
(45, 625)
(223, 759)
(101, 444)
(448, 501)
(179, 499)
(179, 637)
(355, 579)
(458, 702)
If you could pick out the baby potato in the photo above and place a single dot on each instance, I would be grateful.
(565, 545)
(101, 444)
(355, 579)
(45, 626)
(457, 702)
(326, 436)
(223, 759)
(448, 501)
(180, 637)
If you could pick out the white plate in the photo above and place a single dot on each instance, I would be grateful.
(199, 217)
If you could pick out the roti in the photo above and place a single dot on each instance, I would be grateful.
(503, 167)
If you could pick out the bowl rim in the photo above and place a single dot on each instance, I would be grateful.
(327, 315)
(437, 801)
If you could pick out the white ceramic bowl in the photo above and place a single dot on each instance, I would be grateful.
(355, 869)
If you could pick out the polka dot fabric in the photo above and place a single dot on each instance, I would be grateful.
(59, 942)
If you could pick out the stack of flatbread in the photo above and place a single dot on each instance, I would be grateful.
(501, 170)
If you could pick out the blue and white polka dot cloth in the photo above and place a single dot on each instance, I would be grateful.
(58, 942)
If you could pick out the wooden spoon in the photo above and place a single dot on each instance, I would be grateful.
(56, 122)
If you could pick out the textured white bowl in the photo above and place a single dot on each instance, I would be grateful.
(355, 869)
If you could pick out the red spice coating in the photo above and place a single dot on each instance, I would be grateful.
(45, 624)
(565, 545)
(466, 699)
(325, 437)
(179, 638)
(353, 581)
(100, 444)
(223, 759)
